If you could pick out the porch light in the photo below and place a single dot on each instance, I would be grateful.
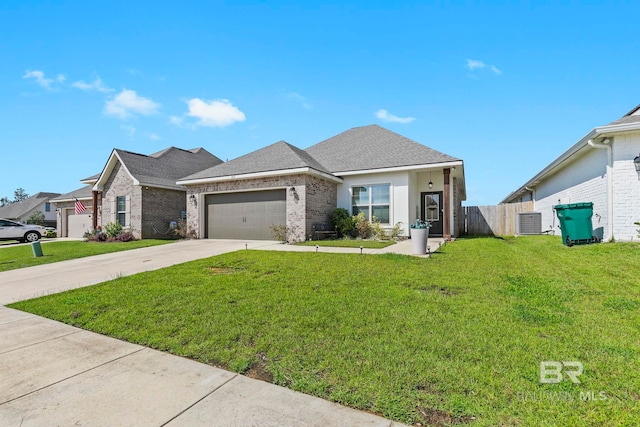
(430, 183)
(636, 163)
(193, 199)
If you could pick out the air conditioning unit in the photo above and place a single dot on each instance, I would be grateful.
(528, 223)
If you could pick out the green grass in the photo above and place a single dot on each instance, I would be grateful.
(454, 339)
(22, 256)
(349, 243)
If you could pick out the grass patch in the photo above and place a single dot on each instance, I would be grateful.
(22, 256)
(349, 243)
(454, 339)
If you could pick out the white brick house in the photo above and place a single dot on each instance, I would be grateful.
(599, 168)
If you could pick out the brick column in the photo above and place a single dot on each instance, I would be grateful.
(446, 225)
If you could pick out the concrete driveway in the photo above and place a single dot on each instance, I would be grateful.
(53, 374)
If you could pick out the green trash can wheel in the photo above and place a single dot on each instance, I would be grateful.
(569, 241)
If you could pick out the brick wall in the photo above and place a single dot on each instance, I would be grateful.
(313, 199)
(626, 186)
(121, 184)
(321, 199)
(159, 207)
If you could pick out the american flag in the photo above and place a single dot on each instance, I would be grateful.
(79, 207)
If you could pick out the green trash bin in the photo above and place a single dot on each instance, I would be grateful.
(575, 223)
(37, 249)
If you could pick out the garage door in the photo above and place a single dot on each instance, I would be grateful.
(245, 215)
(77, 225)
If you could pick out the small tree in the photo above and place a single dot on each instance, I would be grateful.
(4, 201)
(19, 195)
(36, 217)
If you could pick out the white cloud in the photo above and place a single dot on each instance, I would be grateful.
(474, 64)
(154, 136)
(127, 103)
(301, 99)
(97, 85)
(215, 113)
(131, 131)
(39, 77)
(386, 117)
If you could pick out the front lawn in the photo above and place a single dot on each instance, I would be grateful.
(349, 243)
(22, 256)
(454, 339)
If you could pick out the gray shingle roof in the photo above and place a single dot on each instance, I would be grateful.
(373, 147)
(18, 209)
(166, 167)
(80, 193)
(632, 116)
(275, 157)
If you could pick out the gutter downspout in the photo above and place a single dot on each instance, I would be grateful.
(609, 183)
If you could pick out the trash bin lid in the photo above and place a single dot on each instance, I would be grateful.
(574, 206)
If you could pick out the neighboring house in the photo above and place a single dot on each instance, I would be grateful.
(367, 169)
(140, 191)
(69, 222)
(21, 211)
(599, 168)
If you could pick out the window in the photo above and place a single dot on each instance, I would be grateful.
(121, 206)
(372, 200)
(47, 207)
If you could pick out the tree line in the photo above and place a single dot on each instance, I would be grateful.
(18, 196)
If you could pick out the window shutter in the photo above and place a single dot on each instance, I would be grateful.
(113, 216)
(127, 215)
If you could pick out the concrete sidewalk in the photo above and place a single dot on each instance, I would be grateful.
(55, 374)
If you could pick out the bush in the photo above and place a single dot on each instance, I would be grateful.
(362, 226)
(396, 231)
(127, 236)
(113, 229)
(280, 232)
(342, 222)
(377, 231)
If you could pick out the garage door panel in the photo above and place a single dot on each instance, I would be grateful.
(248, 215)
(77, 225)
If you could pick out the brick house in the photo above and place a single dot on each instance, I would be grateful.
(138, 191)
(367, 169)
(599, 168)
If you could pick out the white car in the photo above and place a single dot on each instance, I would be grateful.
(11, 230)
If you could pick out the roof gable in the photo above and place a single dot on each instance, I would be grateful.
(18, 209)
(373, 147)
(275, 157)
(160, 169)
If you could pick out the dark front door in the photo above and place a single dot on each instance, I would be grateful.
(432, 211)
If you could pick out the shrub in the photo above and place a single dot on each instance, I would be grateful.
(113, 229)
(362, 226)
(377, 231)
(341, 221)
(182, 231)
(127, 236)
(396, 231)
(280, 232)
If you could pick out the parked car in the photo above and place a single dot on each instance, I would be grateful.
(50, 232)
(11, 230)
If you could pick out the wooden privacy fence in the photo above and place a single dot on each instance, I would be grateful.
(497, 220)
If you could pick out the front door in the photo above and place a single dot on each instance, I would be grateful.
(432, 211)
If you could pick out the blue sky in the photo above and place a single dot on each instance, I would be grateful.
(506, 86)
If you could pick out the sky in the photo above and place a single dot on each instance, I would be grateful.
(507, 86)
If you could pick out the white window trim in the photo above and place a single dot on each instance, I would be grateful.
(370, 205)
